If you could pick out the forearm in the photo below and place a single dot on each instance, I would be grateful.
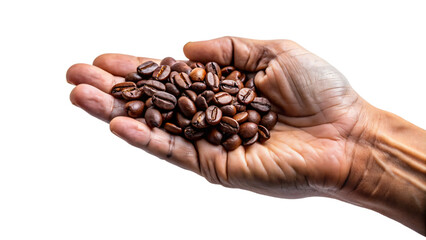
(388, 173)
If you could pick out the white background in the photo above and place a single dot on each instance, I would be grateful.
(63, 175)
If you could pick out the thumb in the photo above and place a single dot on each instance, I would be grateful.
(245, 54)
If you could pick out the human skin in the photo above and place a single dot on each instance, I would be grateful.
(328, 140)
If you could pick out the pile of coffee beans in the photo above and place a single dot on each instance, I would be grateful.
(220, 104)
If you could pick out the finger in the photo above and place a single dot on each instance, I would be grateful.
(213, 162)
(96, 102)
(92, 75)
(245, 54)
(174, 149)
(120, 64)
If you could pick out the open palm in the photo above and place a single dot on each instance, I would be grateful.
(308, 150)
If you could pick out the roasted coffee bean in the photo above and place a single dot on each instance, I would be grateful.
(228, 110)
(132, 94)
(172, 128)
(153, 86)
(247, 130)
(246, 96)
(182, 81)
(198, 87)
(140, 83)
(261, 104)
(168, 61)
(133, 77)
(212, 82)
(167, 116)
(181, 67)
(196, 65)
(197, 74)
(250, 83)
(199, 120)
(240, 84)
(229, 86)
(214, 68)
(234, 75)
(172, 89)
(229, 125)
(192, 133)
(263, 133)
(269, 120)
(118, 88)
(222, 98)
(208, 95)
(240, 107)
(241, 117)
(148, 103)
(232, 142)
(253, 116)
(191, 94)
(227, 70)
(134, 108)
(153, 118)
(201, 103)
(214, 136)
(186, 107)
(182, 121)
(147, 68)
(172, 76)
(213, 115)
(251, 140)
(162, 72)
(164, 100)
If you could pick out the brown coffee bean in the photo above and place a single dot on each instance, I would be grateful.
(241, 117)
(240, 107)
(227, 70)
(199, 120)
(181, 67)
(229, 86)
(212, 82)
(214, 137)
(182, 121)
(201, 103)
(164, 100)
(172, 76)
(153, 86)
(250, 83)
(148, 103)
(172, 128)
(251, 140)
(208, 95)
(191, 94)
(246, 96)
(263, 133)
(172, 89)
(228, 110)
(133, 77)
(182, 81)
(186, 107)
(222, 98)
(132, 94)
(229, 125)
(234, 75)
(118, 88)
(167, 116)
(162, 72)
(213, 115)
(193, 134)
(232, 142)
(197, 74)
(214, 68)
(147, 68)
(247, 130)
(261, 104)
(196, 65)
(140, 83)
(168, 61)
(269, 120)
(198, 87)
(134, 108)
(153, 118)
(253, 116)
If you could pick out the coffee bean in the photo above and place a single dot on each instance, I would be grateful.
(196, 65)
(153, 118)
(199, 120)
(201, 103)
(208, 95)
(134, 108)
(250, 83)
(227, 70)
(140, 83)
(212, 82)
(162, 72)
(228, 125)
(181, 67)
(172, 128)
(247, 130)
(214, 136)
(148, 103)
(132, 94)
(253, 116)
(118, 88)
(214, 68)
(213, 115)
(168, 61)
(240, 107)
(182, 121)
(263, 133)
(269, 120)
(229, 86)
(186, 107)
(147, 68)
(246, 96)
(153, 86)
(261, 104)
(198, 87)
(164, 100)
(197, 74)
(241, 117)
(172, 76)
(222, 98)
(234, 75)
(133, 77)
(228, 110)
(182, 81)
(232, 142)
(191, 94)
(192, 133)
(172, 89)
(251, 140)
(167, 116)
